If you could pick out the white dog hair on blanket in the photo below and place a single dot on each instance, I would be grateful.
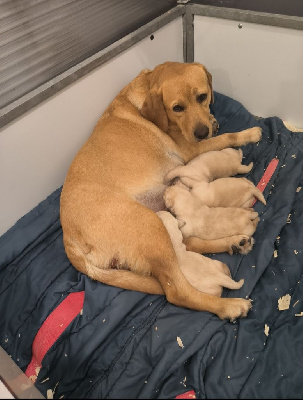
(203, 273)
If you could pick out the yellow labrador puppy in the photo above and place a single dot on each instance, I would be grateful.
(214, 228)
(210, 166)
(203, 273)
(222, 192)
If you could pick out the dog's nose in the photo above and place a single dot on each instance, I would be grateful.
(201, 132)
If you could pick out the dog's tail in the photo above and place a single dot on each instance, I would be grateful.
(80, 258)
(126, 279)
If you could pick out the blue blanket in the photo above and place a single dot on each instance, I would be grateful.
(127, 344)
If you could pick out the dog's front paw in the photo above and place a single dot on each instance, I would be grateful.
(235, 308)
(241, 244)
(242, 138)
(215, 125)
(255, 134)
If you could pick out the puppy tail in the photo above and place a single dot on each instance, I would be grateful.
(259, 195)
(231, 284)
(244, 169)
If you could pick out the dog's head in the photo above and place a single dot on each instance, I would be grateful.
(179, 97)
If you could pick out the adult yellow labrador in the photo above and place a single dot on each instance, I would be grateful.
(116, 183)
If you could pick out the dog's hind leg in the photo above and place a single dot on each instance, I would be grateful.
(136, 236)
(178, 291)
(157, 249)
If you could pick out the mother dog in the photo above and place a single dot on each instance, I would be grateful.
(116, 182)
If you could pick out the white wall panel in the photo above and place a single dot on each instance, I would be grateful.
(37, 149)
(261, 66)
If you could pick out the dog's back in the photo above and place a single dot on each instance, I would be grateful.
(99, 207)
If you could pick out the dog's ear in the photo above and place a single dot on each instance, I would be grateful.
(153, 109)
(210, 82)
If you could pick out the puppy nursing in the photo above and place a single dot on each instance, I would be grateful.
(196, 219)
(208, 178)
(223, 192)
(231, 192)
(209, 205)
(210, 166)
(203, 273)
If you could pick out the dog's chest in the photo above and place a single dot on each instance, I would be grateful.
(153, 198)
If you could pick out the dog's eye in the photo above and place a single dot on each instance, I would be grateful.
(201, 97)
(178, 108)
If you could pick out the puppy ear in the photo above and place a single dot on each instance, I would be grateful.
(210, 82)
(181, 223)
(153, 109)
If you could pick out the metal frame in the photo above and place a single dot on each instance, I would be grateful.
(184, 8)
(255, 17)
(188, 35)
(18, 384)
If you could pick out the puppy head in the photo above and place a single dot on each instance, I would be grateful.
(179, 98)
(176, 194)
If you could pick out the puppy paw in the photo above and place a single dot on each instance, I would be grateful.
(235, 308)
(255, 222)
(251, 222)
(169, 199)
(241, 244)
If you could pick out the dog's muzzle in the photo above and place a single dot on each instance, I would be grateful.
(201, 132)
